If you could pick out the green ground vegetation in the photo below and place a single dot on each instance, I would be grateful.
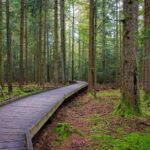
(29, 89)
(107, 135)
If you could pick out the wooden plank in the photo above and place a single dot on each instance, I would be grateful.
(9, 130)
(5, 137)
(13, 144)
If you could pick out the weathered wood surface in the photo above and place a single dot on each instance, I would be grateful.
(29, 114)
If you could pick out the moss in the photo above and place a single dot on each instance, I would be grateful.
(125, 109)
(132, 141)
(92, 94)
(109, 93)
(147, 98)
(64, 130)
(19, 92)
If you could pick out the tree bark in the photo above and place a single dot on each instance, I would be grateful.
(9, 50)
(147, 46)
(91, 69)
(104, 38)
(22, 12)
(63, 39)
(40, 54)
(73, 30)
(79, 59)
(130, 85)
(1, 47)
(26, 42)
(56, 42)
(48, 55)
(117, 45)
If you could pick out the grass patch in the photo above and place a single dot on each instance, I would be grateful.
(109, 93)
(132, 141)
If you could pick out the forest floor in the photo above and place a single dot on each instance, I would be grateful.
(89, 124)
(27, 90)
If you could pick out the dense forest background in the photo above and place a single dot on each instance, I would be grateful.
(99, 41)
(32, 40)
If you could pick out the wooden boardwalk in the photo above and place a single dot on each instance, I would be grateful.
(21, 120)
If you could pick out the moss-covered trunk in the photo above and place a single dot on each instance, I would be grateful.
(130, 85)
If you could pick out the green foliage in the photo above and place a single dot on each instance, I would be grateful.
(19, 92)
(125, 109)
(132, 141)
(64, 130)
(147, 98)
(91, 94)
(30, 89)
(98, 123)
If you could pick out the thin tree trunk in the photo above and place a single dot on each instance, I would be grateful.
(116, 46)
(63, 39)
(70, 56)
(9, 50)
(79, 59)
(56, 42)
(1, 49)
(40, 54)
(45, 44)
(91, 70)
(22, 12)
(26, 42)
(104, 38)
(48, 55)
(120, 48)
(73, 30)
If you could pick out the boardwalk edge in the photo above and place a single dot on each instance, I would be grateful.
(39, 124)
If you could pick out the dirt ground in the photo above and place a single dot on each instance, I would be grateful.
(88, 118)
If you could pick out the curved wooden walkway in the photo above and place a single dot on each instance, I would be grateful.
(21, 120)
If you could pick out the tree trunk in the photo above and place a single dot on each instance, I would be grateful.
(147, 48)
(73, 23)
(70, 56)
(26, 42)
(45, 45)
(120, 48)
(79, 59)
(91, 70)
(117, 45)
(1, 49)
(9, 50)
(63, 39)
(40, 70)
(130, 85)
(104, 38)
(56, 42)
(48, 55)
(22, 12)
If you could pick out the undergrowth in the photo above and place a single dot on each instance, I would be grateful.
(18, 92)
(130, 141)
(64, 130)
(105, 135)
